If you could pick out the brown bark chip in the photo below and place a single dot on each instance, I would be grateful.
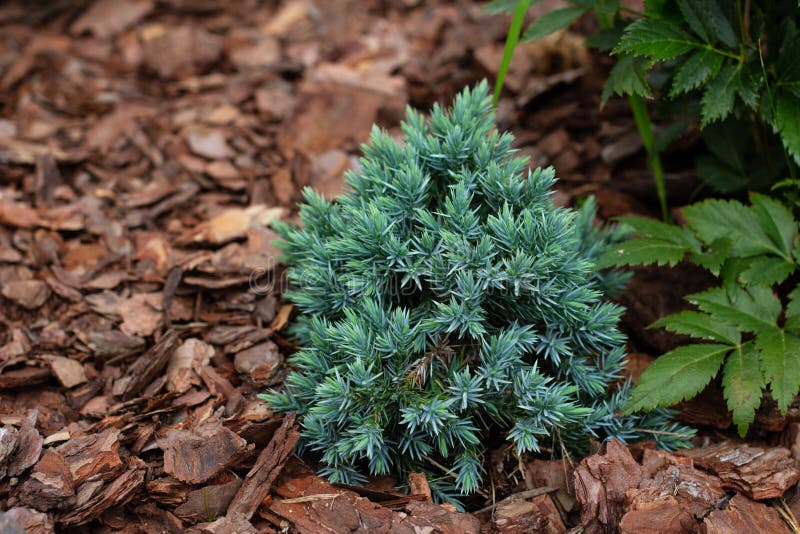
(50, 485)
(118, 492)
(537, 514)
(149, 365)
(601, 482)
(199, 454)
(31, 521)
(745, 515)
(268, 466)
(757, 472)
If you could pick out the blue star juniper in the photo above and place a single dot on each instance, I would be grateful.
(444, 298)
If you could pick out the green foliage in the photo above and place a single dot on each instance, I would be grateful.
(742, 325)
(445, 299)
(731, 67)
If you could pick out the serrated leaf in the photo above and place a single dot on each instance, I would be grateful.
(750, 309)
(665, 136)
(713, 258)
(730, 272)
(787, 122)
(628, 77)
(699, 325)
(643, 252)
(706, 19)
(720, 176)
(645, 227)
(713, 219)
(777, 221)
(660, 243)
(747, 84)
(692, 11)
(780, 362)
(792, 323)
(767, 270)
(717, 101)
(695, 71)
(741, 385)
(551, 22)
(657, 39)
(606, 39)
(677, 375)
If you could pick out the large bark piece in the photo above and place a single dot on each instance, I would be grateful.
(199, 454)
(745, 515)
(601, 482)
(757, 472)
(268, 466)
(149, 365)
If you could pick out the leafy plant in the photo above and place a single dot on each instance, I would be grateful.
(742, 326)
(446, 299)
(607, 14)
(731, 67)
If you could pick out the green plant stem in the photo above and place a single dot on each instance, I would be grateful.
(511, 43)
(645, 128)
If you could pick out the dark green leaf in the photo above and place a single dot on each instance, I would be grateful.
(741, 385)
(780, 361)
(792, 323)
(707, 20)
(628, 77)
(677, 375)
(767, 270)
(695, 71)
(643, 252)
(699, 325)
(713, 258)
(776, 221)
(713, 219)
(719, 96)
(720, 176)
(752, 309)
(787, 121)
(551, 22)
(665, 136)
(657, 39)
(606, 39)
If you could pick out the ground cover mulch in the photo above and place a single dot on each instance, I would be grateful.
(145, 147)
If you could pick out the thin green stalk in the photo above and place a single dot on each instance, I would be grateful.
(511, 43)
(645, 127)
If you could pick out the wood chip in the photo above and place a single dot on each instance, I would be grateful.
(149, 364)
(515, 515)
(30, 294)
(199, 454)
(745, 515)
(68, 371)
(268, 466)
(259, 363)
(601, 482)
(31, 521)
(757, 472)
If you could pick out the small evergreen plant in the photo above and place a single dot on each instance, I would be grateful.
(445, 300)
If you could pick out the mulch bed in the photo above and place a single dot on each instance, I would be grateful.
(145, 147)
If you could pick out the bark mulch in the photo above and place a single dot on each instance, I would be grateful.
(146, 146)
